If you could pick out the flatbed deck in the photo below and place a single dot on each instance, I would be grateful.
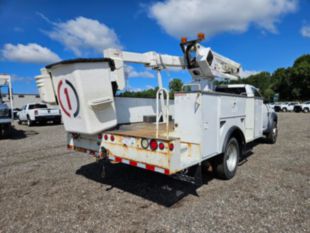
(143, 129)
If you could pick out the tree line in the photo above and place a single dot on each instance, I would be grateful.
(291, 83)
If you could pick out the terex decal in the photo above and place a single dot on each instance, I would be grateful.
(68, 98)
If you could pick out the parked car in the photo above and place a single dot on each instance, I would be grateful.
(285, 107)
(38, 113)
(277, 107)
(304, 107)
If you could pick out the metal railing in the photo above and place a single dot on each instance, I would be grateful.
(164, 110)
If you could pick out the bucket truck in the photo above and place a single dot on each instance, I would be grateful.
(202, 124)
(6, 109)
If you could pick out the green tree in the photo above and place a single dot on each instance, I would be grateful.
(175, 85)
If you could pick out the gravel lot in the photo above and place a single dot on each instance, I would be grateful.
(45, 188)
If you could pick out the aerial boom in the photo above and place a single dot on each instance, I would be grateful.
(203, 64)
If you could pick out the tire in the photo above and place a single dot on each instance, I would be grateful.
(226, 165)
(273, 134)
(306, 110)
(284, 110)
(19, 121)
(29, 122)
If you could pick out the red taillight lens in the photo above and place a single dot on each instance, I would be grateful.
(171, 146)
(153, 144)
(36, 112)
(105, 137)
(161, 146)
(99, 136)
(112, 138)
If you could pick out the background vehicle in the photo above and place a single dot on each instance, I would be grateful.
(5, 108)
(208, 124)
(305, 107)
(38, 113)
(289, 107)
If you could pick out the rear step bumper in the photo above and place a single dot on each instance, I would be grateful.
(121, 160)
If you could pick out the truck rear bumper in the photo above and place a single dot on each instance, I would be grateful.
(117, 159)
(168, 156)
(47, 118)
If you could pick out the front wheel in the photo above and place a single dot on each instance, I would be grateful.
(284, 110)
(227, 163)
(306, 110)
(273, 134)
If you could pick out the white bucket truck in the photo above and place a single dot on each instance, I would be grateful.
(203, 123)
(6, 109)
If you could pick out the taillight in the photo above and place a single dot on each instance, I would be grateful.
(112, 138)
(153, 144)
(105, 137)
(171, 146)
(36, 112)
(99, 136)
(161, 146)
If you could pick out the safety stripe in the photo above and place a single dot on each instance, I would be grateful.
(141, 165)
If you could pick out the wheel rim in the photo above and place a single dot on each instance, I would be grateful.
(28, 122)
(232, 156)
(274, 133)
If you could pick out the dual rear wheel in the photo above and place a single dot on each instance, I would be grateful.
(225, 165)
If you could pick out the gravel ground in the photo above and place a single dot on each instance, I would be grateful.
(45, 188)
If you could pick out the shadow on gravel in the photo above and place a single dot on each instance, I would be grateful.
(163, 190)
(17, 134)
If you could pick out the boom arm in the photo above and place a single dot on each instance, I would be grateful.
(201, 62)
(152, 60)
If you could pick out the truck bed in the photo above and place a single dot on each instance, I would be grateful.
(144, 129)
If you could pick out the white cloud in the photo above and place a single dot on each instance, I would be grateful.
(17, 78)
(30, 53)
(305, 31)
(83, 34)
(188, 17)
(131, 72)
(247, 73)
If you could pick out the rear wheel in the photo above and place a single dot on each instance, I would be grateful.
(29, 122)
(306, 109)
(284, 110)
(273, 134)
(227, 164)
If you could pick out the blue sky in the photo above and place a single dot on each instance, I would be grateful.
(262, 35)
